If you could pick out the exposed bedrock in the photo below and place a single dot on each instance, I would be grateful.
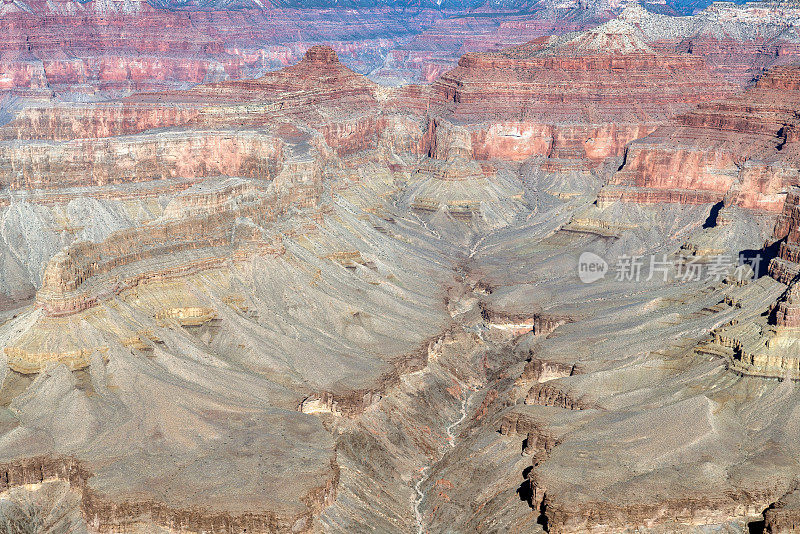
(738, 42)
(745, 145)
(513, 105)
(272, 336)
(783, 515)
(103, 515)
(786, 266)
(83, 51)
(76, 121)
(200, 230)
(600, 67)
(37, 165)
(519, 140)
(169, 333)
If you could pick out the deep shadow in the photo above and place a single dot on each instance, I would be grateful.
(524, 490)
(756, 527)
(782, 136)
(624, 161)
(542, 519)
(711, 221)
(759, 258)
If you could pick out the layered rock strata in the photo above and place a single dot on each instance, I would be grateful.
(738, 42)
(516, 108)
(745, 145)
(168, 278)
(283, 337)
(768, 345)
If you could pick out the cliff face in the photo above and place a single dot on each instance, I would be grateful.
(295, 274)
(152, 240)
(104, 515)
(75, 121)
(53, 47)
(609, 70)
(786, 266)
(94, 162)
(85, 50)
(517, 107)
(745, 145)
(738, 42)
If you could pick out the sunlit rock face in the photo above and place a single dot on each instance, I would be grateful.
(744, 147)
(738, 42)
(303, 301)
(514, 104)
(89, 51)
(162, 244)
(609, 68)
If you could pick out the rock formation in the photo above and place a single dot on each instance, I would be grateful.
(301, 301)
(744, 146)
(610, 103)
(738, 42)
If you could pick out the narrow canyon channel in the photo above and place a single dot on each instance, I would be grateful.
(425, 471)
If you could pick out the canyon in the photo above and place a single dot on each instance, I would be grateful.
(256, 283)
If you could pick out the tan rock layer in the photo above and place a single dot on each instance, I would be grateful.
(93, 162)
(82, 275)
(104, 515)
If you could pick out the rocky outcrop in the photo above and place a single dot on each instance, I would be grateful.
(85, 273)
(526, 82)
(747, 141)
(783, 515)
(77, 121)
(537, 438)
(103, 515)
(767, 345)
(737, 41)
(599, 517)
(37, 469)
(786, 266)
(124, 160)
(552, 395)
(354, 402)
(311, 90)
(541, 324)
(544, 371)
(517, 108)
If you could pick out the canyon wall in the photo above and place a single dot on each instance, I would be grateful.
(745, 145)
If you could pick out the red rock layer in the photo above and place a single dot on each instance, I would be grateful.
(282, 128)
(786, 266)
(740, 61)
(528, 83)
(75, 47)
(236, 128)
(312, 90)
(788, 311)
(143, 51)
(517, 105)
(77, 121)
(748, 141)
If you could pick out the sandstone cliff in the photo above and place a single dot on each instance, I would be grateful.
(745, 145)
